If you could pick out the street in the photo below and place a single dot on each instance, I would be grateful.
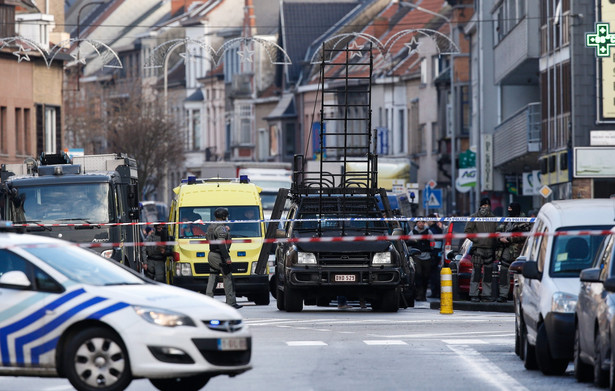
(330, 349)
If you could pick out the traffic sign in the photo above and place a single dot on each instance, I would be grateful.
(432, 184)
(432, 199)
(545, 191)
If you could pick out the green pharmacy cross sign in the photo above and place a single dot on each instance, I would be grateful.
(602, 40)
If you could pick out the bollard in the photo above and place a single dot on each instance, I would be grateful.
(446, 291)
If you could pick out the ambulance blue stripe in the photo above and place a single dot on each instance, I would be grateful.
(37, 351)
(108, 310)
(49, 327)
(33, 317)
(44, 348)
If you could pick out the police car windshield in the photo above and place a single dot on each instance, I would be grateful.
(65, 202)
(85, 267)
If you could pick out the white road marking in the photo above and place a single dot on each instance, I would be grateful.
(486, 370)
(385, 342)
(306, 343)
(464, 341)
(484, 334)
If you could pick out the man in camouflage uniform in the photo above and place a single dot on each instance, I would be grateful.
(510, 248)
(156, 255)
(219, 258)
(482, 251)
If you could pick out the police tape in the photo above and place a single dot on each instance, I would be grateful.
(325, 239)
(342, 219)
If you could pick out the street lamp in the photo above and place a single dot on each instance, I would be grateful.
(452, 112)
(79, 37)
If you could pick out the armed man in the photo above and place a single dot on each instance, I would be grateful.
(219, 258)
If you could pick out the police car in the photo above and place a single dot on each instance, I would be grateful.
(67, 312)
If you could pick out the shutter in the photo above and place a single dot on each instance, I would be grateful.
(40, 129)
(58, 129)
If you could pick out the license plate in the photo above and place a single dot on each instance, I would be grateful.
(345, 278)
(232, 344)
(220, 285)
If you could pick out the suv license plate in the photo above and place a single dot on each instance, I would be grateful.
(345, 278)
(232, 344)
(220, 285)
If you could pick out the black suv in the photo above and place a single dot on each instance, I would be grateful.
(380, 272)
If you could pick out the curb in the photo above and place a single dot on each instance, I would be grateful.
(469, 306)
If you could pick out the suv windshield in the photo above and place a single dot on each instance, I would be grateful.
(84, 266)
(571, 254)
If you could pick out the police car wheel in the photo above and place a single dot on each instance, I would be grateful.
(96, 359)
(192, 383)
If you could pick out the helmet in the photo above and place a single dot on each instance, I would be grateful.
(221, 213)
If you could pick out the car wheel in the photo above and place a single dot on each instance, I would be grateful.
(96, 359)
(600, 376)
(390, 300)
(292, 301)
(582, 371)
(273, 286)
(547, 364)
(280, 297)
(522, 338)
(529, 352)
(262, 299)
(192, 383)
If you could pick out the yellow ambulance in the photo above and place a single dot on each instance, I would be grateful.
(196, 200)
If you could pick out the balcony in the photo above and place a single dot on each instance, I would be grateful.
(516, 141)
(516, 55)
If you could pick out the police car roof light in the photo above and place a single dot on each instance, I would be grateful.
(244, 179)
(191, 180)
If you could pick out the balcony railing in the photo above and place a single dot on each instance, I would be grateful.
(518, 135)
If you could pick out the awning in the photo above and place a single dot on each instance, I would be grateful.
(284, 109)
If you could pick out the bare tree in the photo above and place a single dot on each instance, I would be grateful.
(142, 131)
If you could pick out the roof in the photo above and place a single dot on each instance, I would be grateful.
(284, 109)
(579, 212)
(218, 194)
(303, 21)
(197, 96)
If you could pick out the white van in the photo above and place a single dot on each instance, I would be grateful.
(550, 284)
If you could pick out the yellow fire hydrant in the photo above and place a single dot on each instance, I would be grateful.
(446, 291)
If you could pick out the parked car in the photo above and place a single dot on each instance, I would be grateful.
(546, 314)
(463, 263)
(68, 312)
(594, 357)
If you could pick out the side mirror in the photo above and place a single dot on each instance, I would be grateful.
(530, 270)
(15, 279)
(517, 266)
(609, 284)
(280, 233)
(450, 255)
(590, 275)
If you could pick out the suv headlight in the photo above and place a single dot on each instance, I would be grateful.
(381, 258)
(306, 258)
(563, 302)
(162, 317)
(183, 269)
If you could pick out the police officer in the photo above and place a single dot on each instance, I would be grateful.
(483, 252)
(219, 258)
(510, 248)
(156, 255)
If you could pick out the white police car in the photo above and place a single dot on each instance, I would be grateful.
(67, 312)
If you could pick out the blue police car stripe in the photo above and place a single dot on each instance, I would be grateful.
(108, 310)
(50, 326)
(31, 318)
(44, 348)
(37, 351)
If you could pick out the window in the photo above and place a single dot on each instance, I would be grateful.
(50, 130)
(401, 129)
(196, 130)
(423, 72)
(245, 124)
(289, 139)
